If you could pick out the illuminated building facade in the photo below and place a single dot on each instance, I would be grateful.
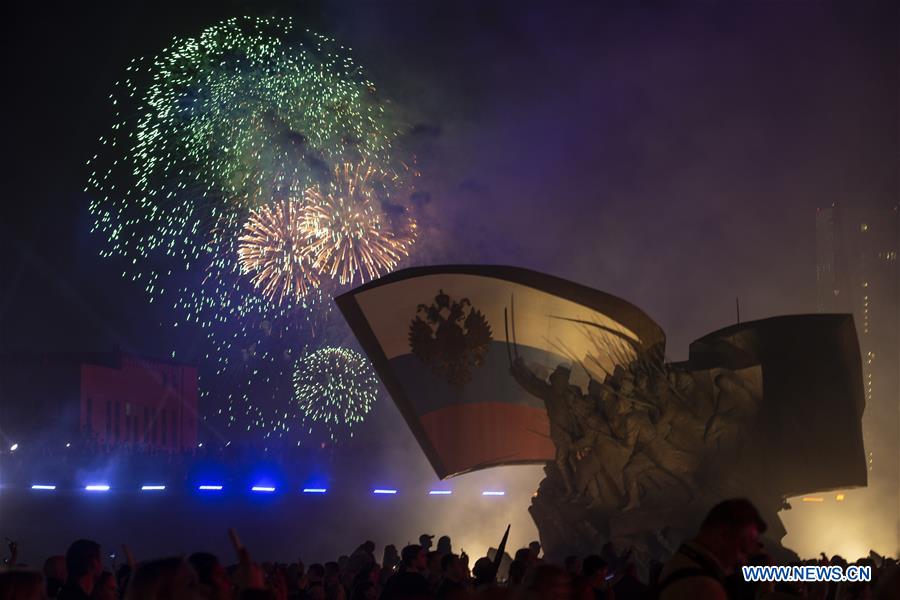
(140, 402)
(111, 399)
(857, 271)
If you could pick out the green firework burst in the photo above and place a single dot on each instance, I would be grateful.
(250, 112)
(335, 389)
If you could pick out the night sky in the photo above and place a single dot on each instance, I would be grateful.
(672, 154)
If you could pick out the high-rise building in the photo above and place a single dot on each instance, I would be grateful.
(857, 271)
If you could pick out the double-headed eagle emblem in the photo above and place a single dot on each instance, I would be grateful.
(451, 337)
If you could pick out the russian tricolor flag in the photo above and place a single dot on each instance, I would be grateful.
(443, 339)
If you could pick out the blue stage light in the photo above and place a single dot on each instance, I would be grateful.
(315, 490)
(152, 488)
(97, 487)
(440, 492)
(383, 491)
(492, 493)
(262, 488)
(210, 488)
(42, 486)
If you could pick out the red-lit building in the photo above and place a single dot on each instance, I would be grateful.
(140, 401)
(114, 399)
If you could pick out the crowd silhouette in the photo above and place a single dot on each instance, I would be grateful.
(707, 566)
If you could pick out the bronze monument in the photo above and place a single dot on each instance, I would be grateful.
(636, 448)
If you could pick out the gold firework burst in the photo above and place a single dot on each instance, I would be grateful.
(275, 250)
(349, 235)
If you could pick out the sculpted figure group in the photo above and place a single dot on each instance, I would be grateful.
(646, 429)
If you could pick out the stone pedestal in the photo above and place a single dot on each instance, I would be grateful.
(575, 526)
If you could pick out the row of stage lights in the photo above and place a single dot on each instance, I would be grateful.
(259, 489)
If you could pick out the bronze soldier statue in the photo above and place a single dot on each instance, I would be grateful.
(556, 396)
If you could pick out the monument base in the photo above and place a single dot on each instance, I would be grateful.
(643, 535)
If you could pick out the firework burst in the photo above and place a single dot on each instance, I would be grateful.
(349, 234)
(208, 133)
(275, 250)
(335, 388)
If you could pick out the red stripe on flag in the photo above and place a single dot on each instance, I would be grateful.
(488, 433)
